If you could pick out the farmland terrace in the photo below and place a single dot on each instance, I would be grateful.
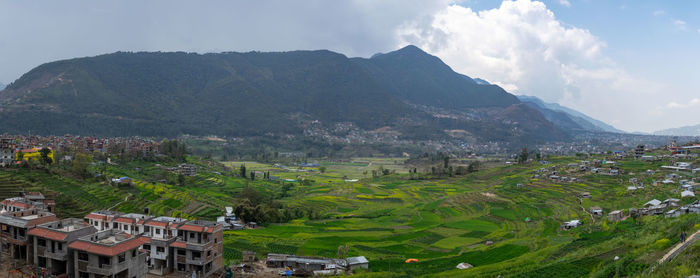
(503, 219)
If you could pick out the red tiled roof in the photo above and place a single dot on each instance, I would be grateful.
(45, 233)
(157, 224)
(107, 250)
(124, 220)
(95, 216)
(178, 244)
(191, 228)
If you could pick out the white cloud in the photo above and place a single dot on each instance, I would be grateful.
(692, 103)
(565, 3)
(659, 12)
(680, 24)
(523, 47)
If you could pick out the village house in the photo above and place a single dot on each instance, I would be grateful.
(671, 202)
(187, 170)
(571, 224)
(15, 231)
(615, 216)
(130, 223)
(50, 242)
(110, 253)
(597, 211)
(687, 194)
(103, 219)
(303, 263)
(357, 262)
(199, 247)
(585, 195)
(163, 232)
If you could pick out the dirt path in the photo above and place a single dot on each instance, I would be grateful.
(117, 204)
(680, 247)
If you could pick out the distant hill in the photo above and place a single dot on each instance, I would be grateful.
(692, 130)
(254, 93)
(567, 118)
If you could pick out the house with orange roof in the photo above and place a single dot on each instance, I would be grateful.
(199, 247)
(103, 219)
(163, 233)
(50, 244)
(109, 253)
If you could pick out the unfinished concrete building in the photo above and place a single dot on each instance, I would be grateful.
(110, 253)
(50, 244)
(15, 229)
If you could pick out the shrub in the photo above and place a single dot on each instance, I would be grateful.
(662, 243)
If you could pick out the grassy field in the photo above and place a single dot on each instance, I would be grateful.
(483, 218)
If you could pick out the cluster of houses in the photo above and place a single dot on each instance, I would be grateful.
(305, 266)
(106, 243)
(11, 144)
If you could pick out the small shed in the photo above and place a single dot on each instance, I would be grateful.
(248, 256)
(585, 195)
(615, 216)
(357, 262)
(464, 266)
(571, 224)
(597, 211)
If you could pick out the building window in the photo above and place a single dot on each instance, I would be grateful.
(160, 249)
(59, 246)
(104, 262)
(83, 275)
(115, 225)
(41, 242)
(133, 253)
(126, 227)
(209, 253)
(121, 257)
(191, 235)
(181, 252)
(157, 231)
(82, 256)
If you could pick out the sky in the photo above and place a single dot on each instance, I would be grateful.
(630, 63)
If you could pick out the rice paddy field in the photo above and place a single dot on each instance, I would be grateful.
(484, 218)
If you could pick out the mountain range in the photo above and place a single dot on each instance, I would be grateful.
(567, 118)
(407, 91)
(691, 130)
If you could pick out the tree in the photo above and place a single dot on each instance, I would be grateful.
(20, 155)
(45, 159)
(243, 173)
(81, 163)
(523, 155)
(447, 162)
(322, 169)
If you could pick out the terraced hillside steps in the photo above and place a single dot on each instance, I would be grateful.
(10, 187)
(680, 247)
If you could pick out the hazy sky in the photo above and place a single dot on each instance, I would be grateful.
(633, 64)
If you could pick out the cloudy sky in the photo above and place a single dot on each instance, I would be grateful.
(631, 63)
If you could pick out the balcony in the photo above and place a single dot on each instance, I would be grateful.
(105, 269)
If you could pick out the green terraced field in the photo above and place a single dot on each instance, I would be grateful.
(439, 221)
